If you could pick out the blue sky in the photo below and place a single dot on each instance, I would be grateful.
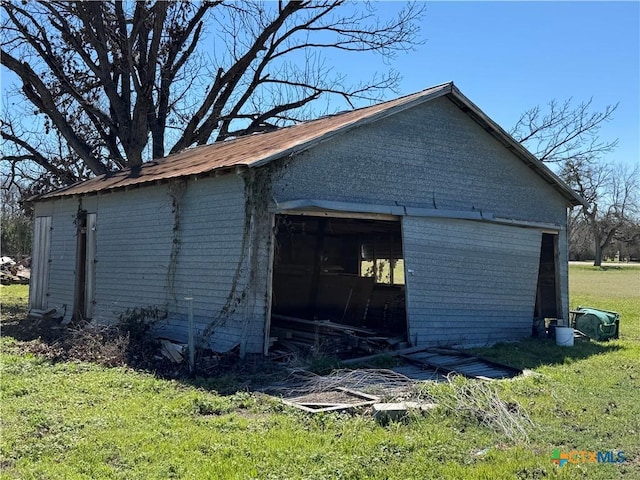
(509, 56)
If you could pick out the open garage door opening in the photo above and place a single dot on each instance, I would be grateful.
(547, 293)
(338, 285)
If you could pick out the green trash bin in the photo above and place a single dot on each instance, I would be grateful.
(597, 324)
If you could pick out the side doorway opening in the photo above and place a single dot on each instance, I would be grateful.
(85, 266)
(338, 285)
(548, 294)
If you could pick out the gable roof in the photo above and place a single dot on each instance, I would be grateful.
(256, 150)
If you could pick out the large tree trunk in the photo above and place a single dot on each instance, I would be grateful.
(602, 244)
(597, 261)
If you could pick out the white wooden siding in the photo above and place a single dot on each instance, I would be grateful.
(212, 226)
(39, 283)
(90, 263)
(135, 235)
(469, 283)
(63, 253)
(132, 251)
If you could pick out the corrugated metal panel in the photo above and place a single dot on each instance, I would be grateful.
(469, 283)
(252, 150)
(445, 360)
(39, 283)
(256, 150)
(90, 267)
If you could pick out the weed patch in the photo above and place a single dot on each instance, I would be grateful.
(480, 402)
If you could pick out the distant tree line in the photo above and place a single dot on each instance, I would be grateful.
(624, 246)
(15, 225)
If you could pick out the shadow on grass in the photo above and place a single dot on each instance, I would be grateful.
(17, 325)
(535, 352)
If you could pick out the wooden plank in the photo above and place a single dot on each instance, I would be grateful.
(333, 407)
(291, 334)
(171, 351)
(290, 344)
(324, 324)
(356, 393)
(393, 353)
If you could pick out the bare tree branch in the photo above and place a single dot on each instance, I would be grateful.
(564, 131)
(613, 201)
(37, 92)
(121, 81)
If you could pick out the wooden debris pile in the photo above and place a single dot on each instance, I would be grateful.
(14, 273)
(338, 399)
(291, 334)
(176, 352)
(351, 389)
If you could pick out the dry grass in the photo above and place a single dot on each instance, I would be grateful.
(613, 281)
(386, 384)
(611, 287)
(480, 401)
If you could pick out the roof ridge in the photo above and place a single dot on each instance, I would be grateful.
(379, 103)
(242, 138)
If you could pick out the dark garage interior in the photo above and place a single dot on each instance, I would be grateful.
(338, 281)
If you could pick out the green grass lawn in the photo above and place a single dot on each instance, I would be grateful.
(72, 420)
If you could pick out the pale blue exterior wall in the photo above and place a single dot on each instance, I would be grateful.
(433, 156)
(157, 245)
(436, 157)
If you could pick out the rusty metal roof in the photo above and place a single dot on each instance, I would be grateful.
(255, 150)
